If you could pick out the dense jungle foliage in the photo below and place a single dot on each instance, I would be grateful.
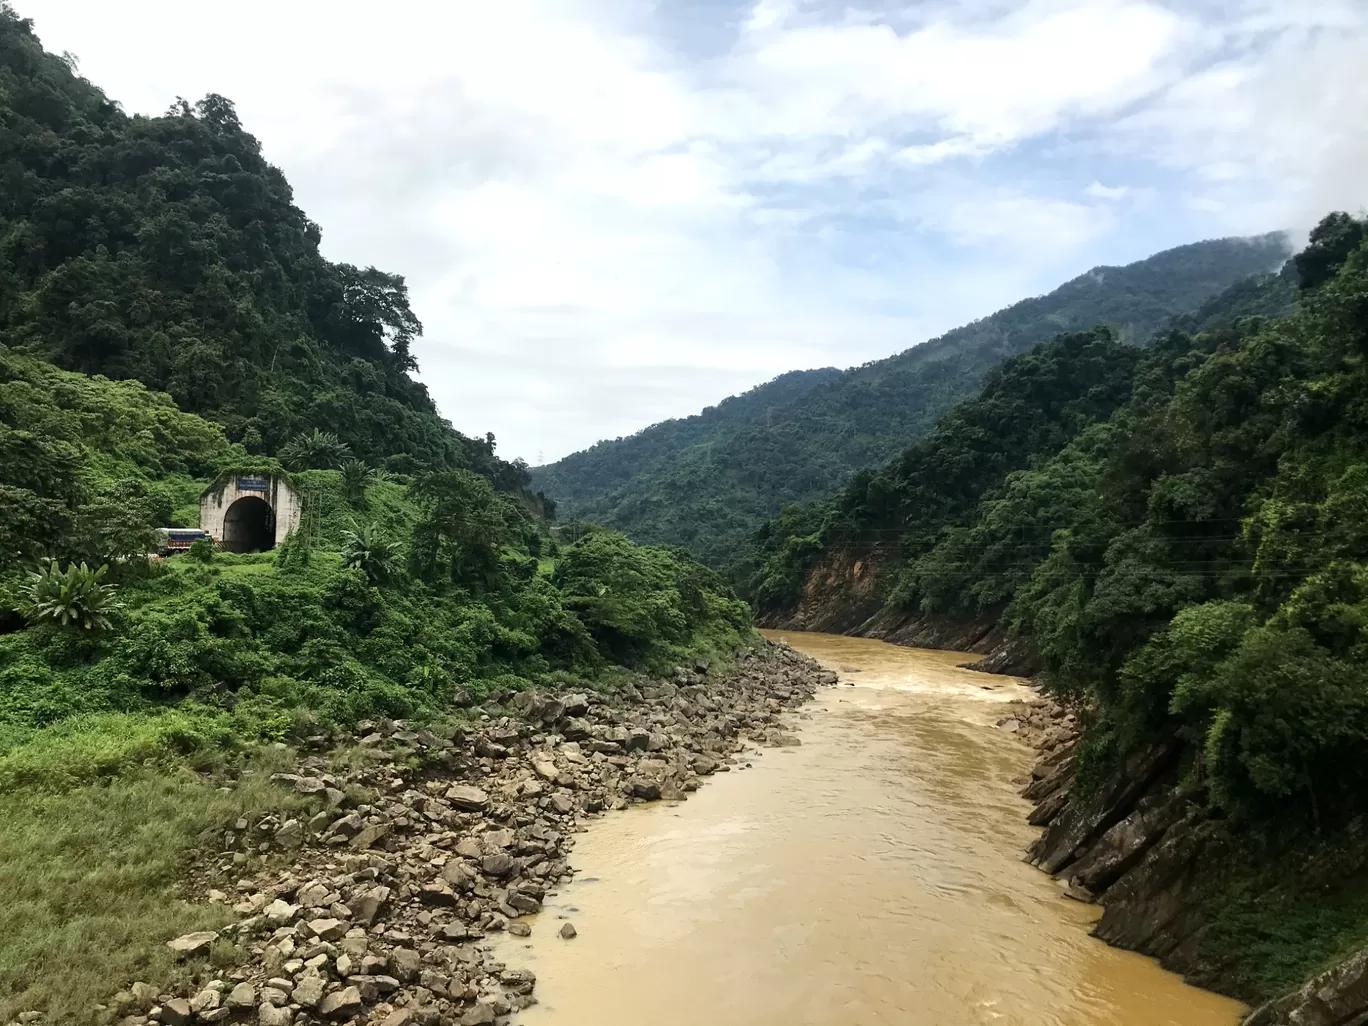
(1196, 563)
(706, 482)
(403, 596)
(169, 251)
(168, 322)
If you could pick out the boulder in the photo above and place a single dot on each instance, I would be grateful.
(467, 798)
(370, 835)
(193, 945)
(499, 864)
(177, 1012)
(1337, 996)
(328, 929)
(368, 905)
(482, 1014)
(341, 1004)
(309, 990)
(313, 895)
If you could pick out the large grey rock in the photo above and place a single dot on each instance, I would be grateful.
(313, 895)
(459, 875)
(1068, 836)
(1337, 997)
(371, 835)
(467, 798)
(482, 1014)
(309, 990)
(177, 1012)
(327, 929)
(280, 912)
(367, 906)
(242, 996)
(499, 864)
(1122, 847)
(341, 1004)
(272, 1015)
(405, 962)
(193, 945)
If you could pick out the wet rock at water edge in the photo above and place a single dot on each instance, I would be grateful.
(481, 1015)
(568, 931)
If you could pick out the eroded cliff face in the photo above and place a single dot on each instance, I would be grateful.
(846, 593)
(841, 592)
(1151, 859)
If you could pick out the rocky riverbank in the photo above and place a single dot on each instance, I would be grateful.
(377, 908)
(1136, 846)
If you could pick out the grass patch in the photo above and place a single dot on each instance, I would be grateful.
(1273, 927)
(93, 880)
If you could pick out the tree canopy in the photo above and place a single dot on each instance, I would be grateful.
(1181, 537)
(706, 482)
(167, 250)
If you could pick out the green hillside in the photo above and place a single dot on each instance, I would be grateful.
(166, 322)
(168, 250)
(706, 481)
(1193, 566)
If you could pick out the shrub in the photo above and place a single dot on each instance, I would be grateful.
(368, 550)
(74, 597)
(357, 476)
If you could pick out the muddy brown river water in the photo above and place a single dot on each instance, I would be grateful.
(872, 875)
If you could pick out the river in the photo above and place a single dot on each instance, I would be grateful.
(872, 875)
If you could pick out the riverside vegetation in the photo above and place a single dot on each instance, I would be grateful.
(429, 685)
(1174, 537)
(168, 320)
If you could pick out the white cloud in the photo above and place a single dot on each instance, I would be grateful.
(604, 226)
(1107, 192)
(1272, 133)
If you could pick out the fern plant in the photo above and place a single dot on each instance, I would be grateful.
(76, 597)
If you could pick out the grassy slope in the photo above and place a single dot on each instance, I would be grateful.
(105, 741)
(93, 879)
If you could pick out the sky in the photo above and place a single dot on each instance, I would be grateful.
(612, 212)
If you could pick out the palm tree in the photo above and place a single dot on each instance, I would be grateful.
(314, 450)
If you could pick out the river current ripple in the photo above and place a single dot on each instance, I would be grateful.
(872, 875)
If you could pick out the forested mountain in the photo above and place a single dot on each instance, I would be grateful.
(1190, 571)
(706, 481)
(167, 325)
(168, 250)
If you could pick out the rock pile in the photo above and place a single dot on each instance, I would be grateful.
(380, 913)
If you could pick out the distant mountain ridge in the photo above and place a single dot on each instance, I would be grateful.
(706, 481)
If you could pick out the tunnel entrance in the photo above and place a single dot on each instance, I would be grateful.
(249, 525)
